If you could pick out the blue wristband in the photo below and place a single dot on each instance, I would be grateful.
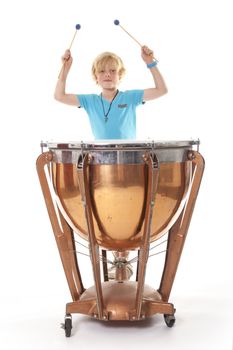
(152, 64)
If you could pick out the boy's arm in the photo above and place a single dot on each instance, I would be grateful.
(160, 87)
(60, 89)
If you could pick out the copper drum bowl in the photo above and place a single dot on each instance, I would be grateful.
(118, 188)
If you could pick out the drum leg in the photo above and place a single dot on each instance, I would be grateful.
(72, 253)
(66, 251)
(178, 232)
(153, 175)
(94, 248)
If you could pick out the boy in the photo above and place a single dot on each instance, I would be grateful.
(112, 114)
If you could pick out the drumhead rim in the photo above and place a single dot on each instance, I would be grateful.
(119, 144)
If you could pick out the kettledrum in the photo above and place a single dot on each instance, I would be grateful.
(120, 198)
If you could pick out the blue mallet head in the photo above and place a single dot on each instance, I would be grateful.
(77, 26)
(116, 22)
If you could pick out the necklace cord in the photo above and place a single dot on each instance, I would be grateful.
(109, 108)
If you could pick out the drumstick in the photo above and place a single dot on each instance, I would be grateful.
(77, 27)
(117, 23)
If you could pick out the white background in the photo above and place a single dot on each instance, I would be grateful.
(193, 41)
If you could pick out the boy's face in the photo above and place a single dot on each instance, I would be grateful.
(108, 77)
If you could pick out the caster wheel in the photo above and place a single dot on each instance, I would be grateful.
(169, 320)
(68, 325)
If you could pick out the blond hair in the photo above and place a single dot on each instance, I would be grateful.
(104, 59)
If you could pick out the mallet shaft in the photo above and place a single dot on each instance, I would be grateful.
(62, 67)
(72, 40)
(131, 36)
(117, 23)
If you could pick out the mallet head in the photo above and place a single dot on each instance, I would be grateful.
(116, 22)
(77, 26)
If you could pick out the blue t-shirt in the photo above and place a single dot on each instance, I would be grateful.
(121, 120)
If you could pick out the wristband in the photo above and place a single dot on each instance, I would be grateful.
(152, 64)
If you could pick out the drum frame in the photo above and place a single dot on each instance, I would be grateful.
(98, 301)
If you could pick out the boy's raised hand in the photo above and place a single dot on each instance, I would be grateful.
(147, 54)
